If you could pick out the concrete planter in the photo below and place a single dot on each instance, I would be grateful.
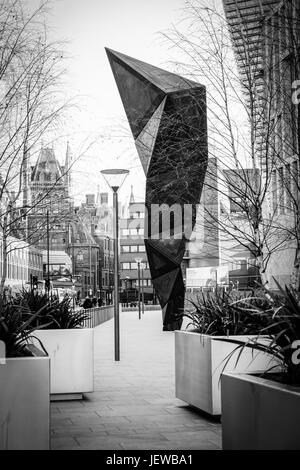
(25, 403)
(199, 361)
(259, 413)
(71, 353)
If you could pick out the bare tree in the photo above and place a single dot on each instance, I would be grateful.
(252, 126)
(31, 106)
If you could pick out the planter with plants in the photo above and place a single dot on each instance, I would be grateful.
(24, 383)
(69, 345)
(262, 411)
(201, 356)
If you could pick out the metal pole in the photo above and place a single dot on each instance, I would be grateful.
(73, 264)
(139, 291)
(48, 255)
(116, 278)
(90, 273)
(143, 307)
(96, 273)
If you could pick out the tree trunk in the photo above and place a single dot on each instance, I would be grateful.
(295, 281)
(4, 261)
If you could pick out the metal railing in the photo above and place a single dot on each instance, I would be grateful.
(97, 315)
(146, 307)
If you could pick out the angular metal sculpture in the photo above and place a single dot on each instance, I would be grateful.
(167, 117)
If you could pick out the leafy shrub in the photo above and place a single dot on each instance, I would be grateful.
(51, 311)
(15, 331)
(228, 313)
(281, 324)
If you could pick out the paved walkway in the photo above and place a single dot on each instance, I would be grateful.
(134, 404)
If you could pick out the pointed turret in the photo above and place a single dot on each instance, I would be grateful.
(98, 197)
(132, 201)
(25, 177)
(68, 165)
(47, 168)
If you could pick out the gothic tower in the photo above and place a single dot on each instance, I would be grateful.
(49, 187)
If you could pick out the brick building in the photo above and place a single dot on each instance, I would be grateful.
(132, 248)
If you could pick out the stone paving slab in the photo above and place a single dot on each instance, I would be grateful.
(134, 405)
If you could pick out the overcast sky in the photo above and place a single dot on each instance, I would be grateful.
(128, 26)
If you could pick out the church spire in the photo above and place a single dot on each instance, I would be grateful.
(25, 176)
(98, 197)
(68, 165)
(131, 196)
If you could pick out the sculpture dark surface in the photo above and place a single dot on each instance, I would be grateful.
(167, 117)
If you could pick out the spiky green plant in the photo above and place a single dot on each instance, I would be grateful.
(63, 316)
(282, 327)
(16, 332)
(52, 311)
(227, 313)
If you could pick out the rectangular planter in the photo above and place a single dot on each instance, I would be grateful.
(199, 361)
(25, 403)
(71, 353)
(259, 414)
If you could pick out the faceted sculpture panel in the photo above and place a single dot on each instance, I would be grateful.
(140, 98)
(146, 139)
(167, 115)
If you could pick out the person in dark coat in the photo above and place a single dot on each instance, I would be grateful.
(99, 302)
(87, 303)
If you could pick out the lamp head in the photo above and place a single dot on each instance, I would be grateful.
(114, 178)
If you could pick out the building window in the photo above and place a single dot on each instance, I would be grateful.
(142, 248)
(135, 215)
(135, 231)
(125, 249)
(125, 265)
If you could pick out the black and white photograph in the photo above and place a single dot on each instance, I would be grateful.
(150, 228)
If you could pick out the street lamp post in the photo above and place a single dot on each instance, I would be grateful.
(115, 179)
(138, 261)
(143, 297)
(48, 255)
(126, 289)
(90, 268)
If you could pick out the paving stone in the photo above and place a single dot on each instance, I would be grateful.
(197, 435)
(101, 443)
(134, 405)
(162, 445)
(73, 431)
(60, 421)
(64, 443)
